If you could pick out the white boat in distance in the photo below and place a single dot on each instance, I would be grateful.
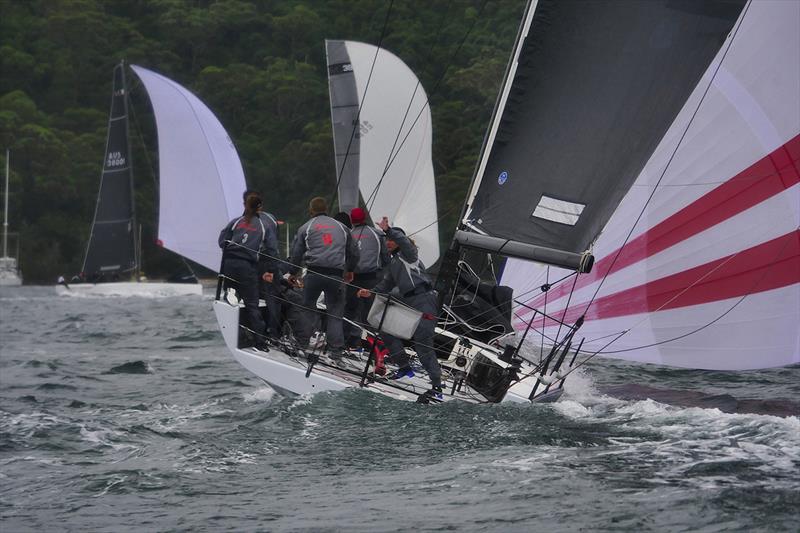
(10, 276)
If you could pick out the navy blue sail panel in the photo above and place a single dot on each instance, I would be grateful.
(111, 249)
(596, 87)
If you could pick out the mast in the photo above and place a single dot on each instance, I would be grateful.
(137, 239)
(5, 216)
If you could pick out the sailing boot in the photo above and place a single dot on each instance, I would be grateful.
(405, 372)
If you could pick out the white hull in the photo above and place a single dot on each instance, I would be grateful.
(130, 288)
(286, 373)
(9, 274)
(10, 280)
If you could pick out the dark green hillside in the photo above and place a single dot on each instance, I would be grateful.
(258, 64)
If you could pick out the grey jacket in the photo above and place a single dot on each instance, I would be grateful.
(372, 252)
(325, 243)
(405, 271)
(244, 239)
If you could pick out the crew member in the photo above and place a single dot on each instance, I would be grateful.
(242, 240)
(372, 257)
(324, 245)
(407, 273)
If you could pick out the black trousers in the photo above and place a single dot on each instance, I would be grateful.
(422, 340)
(316, 284)
(270, 293)
(355, 308)
(242, 275)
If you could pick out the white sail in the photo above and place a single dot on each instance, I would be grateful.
(710, 276)
(201, 177)
(395, 166)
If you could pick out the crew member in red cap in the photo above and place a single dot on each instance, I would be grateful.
(373, 256)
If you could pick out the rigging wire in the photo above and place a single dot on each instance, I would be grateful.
(544, 319)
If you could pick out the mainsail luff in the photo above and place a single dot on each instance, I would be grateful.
(111, 249)
(605, 79)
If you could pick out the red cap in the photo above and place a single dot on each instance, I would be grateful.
(357, 215)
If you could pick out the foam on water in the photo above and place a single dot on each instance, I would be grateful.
(260, 395)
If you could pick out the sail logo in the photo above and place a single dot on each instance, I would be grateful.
(115, 159)
(364, 127)
(502, 178)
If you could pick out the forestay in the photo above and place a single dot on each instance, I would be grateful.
(710, 276)
(201, 177)
(382, 138)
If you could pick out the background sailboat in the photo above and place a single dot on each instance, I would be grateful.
(189, 213)
(10, 276)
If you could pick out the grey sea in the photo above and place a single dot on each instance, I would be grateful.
(128, 414)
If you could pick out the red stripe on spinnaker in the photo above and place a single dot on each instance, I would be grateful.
(762, 180)
(770, 265)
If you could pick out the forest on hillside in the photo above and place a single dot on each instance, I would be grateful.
(258, 64)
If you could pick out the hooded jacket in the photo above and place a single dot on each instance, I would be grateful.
(405, 271)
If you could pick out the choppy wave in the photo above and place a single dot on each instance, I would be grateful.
(132, 367)
(103, 426)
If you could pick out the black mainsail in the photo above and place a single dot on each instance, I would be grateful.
(590, 91)
(111, 252)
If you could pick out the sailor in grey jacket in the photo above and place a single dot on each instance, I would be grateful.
(326, 247)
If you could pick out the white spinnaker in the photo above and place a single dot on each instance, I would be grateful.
(751, 114)
(396, 131)
(200, 174)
